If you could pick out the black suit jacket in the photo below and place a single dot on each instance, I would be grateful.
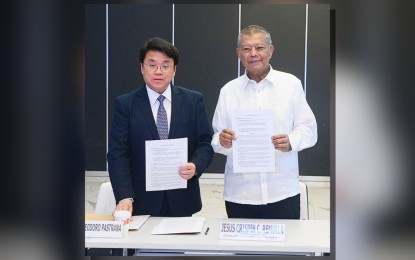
(132, 125)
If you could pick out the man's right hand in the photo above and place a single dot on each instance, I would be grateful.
(125, 204)
(225, 138)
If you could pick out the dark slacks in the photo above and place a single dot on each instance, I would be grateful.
(288, 208)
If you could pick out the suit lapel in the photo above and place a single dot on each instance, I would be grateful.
(145, 109)
(176, 105)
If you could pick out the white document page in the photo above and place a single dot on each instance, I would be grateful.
(137, 222)
(253, 150)
(179, 225)
(163, 158)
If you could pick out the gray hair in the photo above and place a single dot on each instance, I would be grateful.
(251, 29)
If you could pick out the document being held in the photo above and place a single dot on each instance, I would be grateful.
(253, 150)
(163, 158)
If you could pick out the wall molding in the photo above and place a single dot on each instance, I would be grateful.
(216, 176)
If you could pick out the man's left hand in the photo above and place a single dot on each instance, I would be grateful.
(187, 171)
(281, 142)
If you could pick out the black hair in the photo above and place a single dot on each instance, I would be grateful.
(158, 44)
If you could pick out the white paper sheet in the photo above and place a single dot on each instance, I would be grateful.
(163, 158)
(253, 150)
(137, 222)
(179, 225)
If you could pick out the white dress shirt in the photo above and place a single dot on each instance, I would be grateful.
(283, 93)
(152, 96)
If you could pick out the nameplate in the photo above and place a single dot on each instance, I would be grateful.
(100, 228)
(251, 231)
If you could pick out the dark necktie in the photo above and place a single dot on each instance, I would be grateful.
(162, 127)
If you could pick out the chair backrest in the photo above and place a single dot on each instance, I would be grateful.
(106, 200)
(303, 201)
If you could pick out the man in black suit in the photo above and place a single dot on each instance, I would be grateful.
(136, 120)
(158, 110)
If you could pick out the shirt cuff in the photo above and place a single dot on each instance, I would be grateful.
(132, 200)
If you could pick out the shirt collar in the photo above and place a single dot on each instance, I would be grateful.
(270, 77)
(152, 95)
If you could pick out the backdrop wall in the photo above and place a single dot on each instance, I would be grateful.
(205, 36)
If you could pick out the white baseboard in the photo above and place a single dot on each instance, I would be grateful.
(217, 176)
(314, 178)
(96, 174)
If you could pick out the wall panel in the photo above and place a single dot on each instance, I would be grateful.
(206, 38)
(286, 24)
(315, 161)
(95, 93)
(129, 25)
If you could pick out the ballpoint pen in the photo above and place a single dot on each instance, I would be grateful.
(207, 230)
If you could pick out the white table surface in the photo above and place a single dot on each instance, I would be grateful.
(301, 237)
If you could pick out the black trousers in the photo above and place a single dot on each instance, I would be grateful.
(288, 208)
